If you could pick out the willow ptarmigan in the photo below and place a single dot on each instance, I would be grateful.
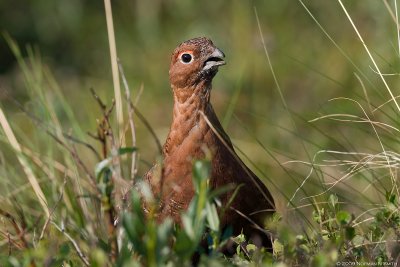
(194, 64)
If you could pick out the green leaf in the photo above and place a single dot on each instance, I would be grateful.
(391, 198)
(135, 230)
(343, 217)
(350, 233)
(325, 234)
(317, 215)
(251, 247)
(184, 247)
(391, 207)
(164, 232)
(227, 233)
(64, 250)
(98, 258)
(126, 150)
(135, 224)
(187, 224)
(221, 190)
(305, 248)
(239, 239)
(320, 260)
(333, 200)
(301, 239)
(201, 170)
(277, 247)
(137, 204)
(101, 166)
(105, 163)
(212, 217)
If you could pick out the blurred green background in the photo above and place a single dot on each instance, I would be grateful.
(72, 39)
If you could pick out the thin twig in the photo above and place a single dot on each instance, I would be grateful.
(251, 221)
(131, 121)
(139, 94)
(104, 132)
(9, 243)
(99, 101)
(20, 232)
(74, 243)
(10, 240)
(52, 211)
(148, 126)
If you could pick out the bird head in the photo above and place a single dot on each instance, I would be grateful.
(193, 62)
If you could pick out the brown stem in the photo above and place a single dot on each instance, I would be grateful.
(111, 229)
(20, 232)
(104, 131)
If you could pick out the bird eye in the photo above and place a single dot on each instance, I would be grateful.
(186, 58)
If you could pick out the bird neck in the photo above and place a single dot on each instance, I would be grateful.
(187, 119)
(197, 95)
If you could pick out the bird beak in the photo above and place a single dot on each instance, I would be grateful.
(214, 60)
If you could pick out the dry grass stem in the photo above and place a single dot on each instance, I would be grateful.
(22, 160)
(114, 68)
(369, 54)
(131, 121)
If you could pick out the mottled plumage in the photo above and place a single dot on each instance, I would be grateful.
(194, 63)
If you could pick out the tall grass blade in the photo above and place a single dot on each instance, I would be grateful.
(369, 54)
(22, 160)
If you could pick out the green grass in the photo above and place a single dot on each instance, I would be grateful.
(321, 130)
